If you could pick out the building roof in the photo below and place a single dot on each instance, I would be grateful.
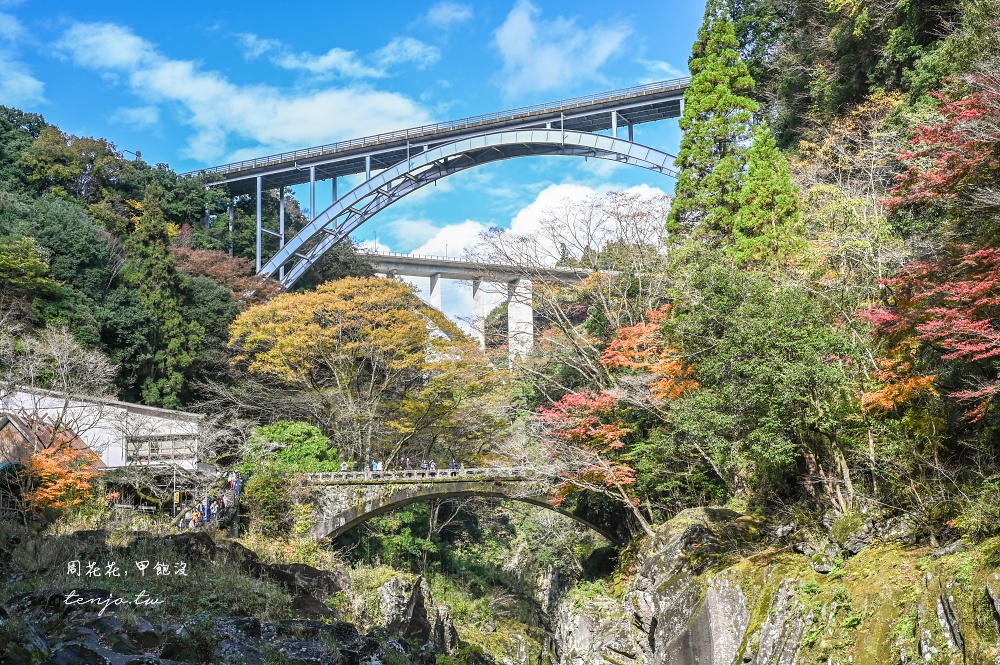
(39, 435)
(128, 406)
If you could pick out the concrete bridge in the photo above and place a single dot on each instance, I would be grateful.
(520, 310)
(351, 498)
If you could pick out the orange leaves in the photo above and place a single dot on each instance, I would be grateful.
(898, 383)
(641, 347)
(61, 477)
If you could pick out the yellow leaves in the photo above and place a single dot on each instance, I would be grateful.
(377, 321)
(386, 365)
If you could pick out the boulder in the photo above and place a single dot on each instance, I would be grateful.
(237, 651)
(404, 608)
(75, 654)
(313, 581)
(308, 607)
(444, 635)
(194, 545)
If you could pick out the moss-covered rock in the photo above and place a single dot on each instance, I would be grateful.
(709, 589)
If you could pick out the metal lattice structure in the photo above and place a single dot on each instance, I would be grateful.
(411, 158)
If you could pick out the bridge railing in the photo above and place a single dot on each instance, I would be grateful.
(418, 475)
(424, 130)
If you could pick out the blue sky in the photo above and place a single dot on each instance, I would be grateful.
(198, 84)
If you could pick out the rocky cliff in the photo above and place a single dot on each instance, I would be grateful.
(717, 588)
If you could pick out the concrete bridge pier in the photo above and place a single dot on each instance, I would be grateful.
(520, 318)
(479, 311)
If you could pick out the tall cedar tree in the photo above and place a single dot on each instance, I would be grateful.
(716, 125)
(767, 225)
(162, 291)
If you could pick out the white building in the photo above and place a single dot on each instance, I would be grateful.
(122, 434)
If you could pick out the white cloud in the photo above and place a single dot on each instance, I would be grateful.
(10, 28)
(341, 62)
(374, 246)
(451, 240)
(446, 14)
(411, 232)
(407, 50)
(273, 119)
(254, 46)
(659, 70)
(138, 117)
(559, 201)
(541, 55)
(18, 87)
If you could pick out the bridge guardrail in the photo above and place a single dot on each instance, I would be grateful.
(417, 475)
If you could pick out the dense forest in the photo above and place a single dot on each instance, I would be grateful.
(808, 327)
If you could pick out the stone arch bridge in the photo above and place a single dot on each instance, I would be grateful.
(348, 499)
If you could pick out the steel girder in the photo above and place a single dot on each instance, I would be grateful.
(380, 191)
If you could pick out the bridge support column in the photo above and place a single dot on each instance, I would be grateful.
(520, 318)
(479, 311)
(614, 124)
(281, 226)
(231, 209)
(312, 193)
(435, 298)
(259, 213)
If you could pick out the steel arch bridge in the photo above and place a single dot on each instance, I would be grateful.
(379, 192)
(415, 157)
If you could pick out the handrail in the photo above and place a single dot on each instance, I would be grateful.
(444, 259)
(368, 476)
(423, 130)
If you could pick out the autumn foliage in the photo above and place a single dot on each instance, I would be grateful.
(947, 157)
(59, 476)
(236, 274)
(641, 347)
(586, 418)
(951, 306)
(588, 422)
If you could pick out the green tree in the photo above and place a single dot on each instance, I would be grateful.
(81, 167)
(24, 274)
(162, 291)
(767, 226)
(716, 124)
(291, 446)
(17, 132)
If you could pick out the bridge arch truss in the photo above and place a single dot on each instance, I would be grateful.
(380, 191)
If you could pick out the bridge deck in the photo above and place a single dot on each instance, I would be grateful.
(420, 476)
(413, 265)
(590, 113)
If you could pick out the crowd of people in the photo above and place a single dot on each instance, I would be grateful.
(211, 508)
(401, 465)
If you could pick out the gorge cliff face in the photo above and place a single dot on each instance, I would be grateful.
(717, 588)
